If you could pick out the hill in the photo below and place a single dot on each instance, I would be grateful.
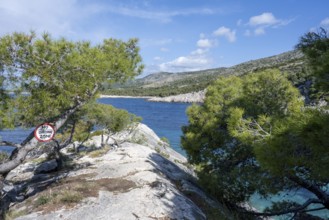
(166, 84)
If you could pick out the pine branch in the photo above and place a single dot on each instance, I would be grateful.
(301, 208)
(31, 142)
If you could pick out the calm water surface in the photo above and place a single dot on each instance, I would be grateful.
(165, 119)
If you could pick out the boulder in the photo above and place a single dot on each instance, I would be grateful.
(21, 173)
(26, 171)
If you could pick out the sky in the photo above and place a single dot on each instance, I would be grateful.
(175, 35)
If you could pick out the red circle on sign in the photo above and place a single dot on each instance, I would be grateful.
(48, 136)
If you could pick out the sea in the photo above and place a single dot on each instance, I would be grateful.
(166, 120)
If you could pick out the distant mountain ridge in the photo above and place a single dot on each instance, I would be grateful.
(166, 84)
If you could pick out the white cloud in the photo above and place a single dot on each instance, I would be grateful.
(239, 22)
(325, 22)
(263, 21)
(226, 32)
(266, 18)
(204, 43)
(186, 63)
(196, 60)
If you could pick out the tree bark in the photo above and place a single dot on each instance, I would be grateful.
(317, 191)
(30, 142)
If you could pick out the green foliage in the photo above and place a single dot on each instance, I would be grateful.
(174, 88)
(297, 146)
(14, 214)
(42, 200)
(108, 117)
(69, 196)
(227, 167)
(59, 74)
(3, 156)
(164, 139)
(82, 130)
(315, 45)
(62, 197)
(252, 134)
(99, 152)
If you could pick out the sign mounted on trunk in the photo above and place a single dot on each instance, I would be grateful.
(44, 132)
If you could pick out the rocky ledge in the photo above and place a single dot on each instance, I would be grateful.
(139, 177)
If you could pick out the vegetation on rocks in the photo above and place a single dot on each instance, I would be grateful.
(253, 134)
(55, 81)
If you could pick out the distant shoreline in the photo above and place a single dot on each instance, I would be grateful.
(193, 97)
(126, 97)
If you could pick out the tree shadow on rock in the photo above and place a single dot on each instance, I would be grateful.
(179, 192)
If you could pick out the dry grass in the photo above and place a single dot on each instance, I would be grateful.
(71, 191)
(11, 215)
(99, 153)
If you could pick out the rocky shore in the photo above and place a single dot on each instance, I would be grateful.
(138, 176)
(193, 97)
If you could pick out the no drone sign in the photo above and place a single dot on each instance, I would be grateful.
(44, 132)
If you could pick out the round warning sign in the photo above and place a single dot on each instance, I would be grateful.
(44, 132)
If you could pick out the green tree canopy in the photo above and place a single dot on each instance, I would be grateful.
(59, 74)
(315, 45)
(52, 79)
(252, 134)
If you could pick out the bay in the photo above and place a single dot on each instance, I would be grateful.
(165, 119)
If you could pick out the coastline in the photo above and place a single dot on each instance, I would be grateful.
(193, 97)
(125, 97)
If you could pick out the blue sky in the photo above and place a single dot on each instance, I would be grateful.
(175, 35)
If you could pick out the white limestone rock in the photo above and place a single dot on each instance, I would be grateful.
(158, 184)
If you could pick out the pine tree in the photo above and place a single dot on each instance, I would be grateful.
(51, 80)
(253, 135)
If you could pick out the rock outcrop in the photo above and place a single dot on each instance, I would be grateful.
(141, 178)
(197, 97)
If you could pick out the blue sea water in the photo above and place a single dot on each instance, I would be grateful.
(16, 136)
(165, 119)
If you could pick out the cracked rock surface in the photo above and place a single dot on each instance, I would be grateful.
(135, 181)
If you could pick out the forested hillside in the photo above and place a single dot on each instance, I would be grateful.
(165, 84)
